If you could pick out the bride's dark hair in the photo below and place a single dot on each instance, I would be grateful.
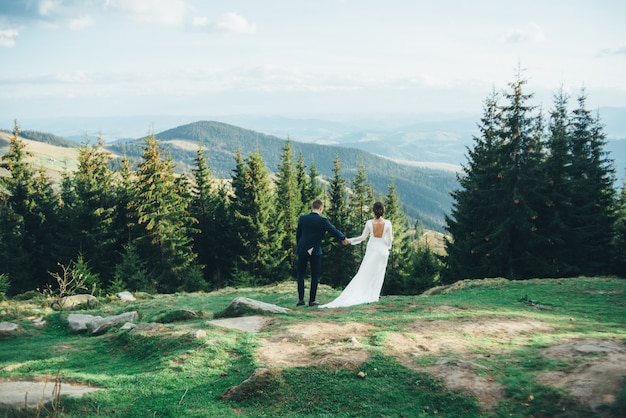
(379, 209)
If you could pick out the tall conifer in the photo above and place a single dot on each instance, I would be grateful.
(396, 275)
(28, 211)
(254, 212)
(552, 213)
(163, 227)
(288, 207)
(593, 197)
(88, 211)
(337, 271)
(476, 205)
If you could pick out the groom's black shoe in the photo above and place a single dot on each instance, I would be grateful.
(314, 303)
(300, 303)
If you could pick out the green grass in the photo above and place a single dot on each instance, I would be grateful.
(174, 374)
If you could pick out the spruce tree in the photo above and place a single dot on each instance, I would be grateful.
(553, 213)
(254, 213)
(521, 152)
(315, 188)
(338, 268)
(227, 255)
(202, 209)
(619, 261)
(124, 192)
(360, 205)
(28, 212)
(302, 185)
(476, 206)
(214, 243)
(12, 257)
(88, 211)
(288, 207)
(397, 273)
(592, 174)
(163, 228)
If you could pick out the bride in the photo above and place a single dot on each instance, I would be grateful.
(365, 286)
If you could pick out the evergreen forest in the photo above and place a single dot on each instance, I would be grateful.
(536, 199)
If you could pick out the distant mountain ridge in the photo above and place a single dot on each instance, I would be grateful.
(423, 192)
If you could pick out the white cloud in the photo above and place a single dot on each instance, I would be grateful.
(533, 34)
(171, 12)
(7, 37)
(199, 21)
(47, 7)
(232, 22)
(80, 23)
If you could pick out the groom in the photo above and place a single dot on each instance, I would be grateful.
(309, 235)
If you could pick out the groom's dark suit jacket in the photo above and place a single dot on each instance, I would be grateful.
(310, 232)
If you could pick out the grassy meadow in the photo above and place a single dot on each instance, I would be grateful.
(478, 348)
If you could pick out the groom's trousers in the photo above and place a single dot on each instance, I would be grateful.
(316, 274)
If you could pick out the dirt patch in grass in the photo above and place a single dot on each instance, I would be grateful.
(457, 341)
(596, 374)
(317, 343)
(596, 378)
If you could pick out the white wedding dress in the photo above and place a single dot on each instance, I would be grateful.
(365, 286)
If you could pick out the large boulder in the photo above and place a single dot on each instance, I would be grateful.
(100, 324)
(242, 306)
(97, 324)
(78, 322)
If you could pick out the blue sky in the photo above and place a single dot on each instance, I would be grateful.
(69, 58)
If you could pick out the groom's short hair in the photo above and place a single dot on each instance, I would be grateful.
(317, 204)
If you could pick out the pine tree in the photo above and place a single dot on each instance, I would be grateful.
(28, 213)
(593, 197)
(360, 205)
(338, 270)
(202, 209)
(288, 207)
(315, 188)
(552, 214)
(302, 185)
(398, 273)
(214, 243)
(476, 204)
(88, 211)
(227, 254)
(521, 152)
(254, 212)
(12, 256)
(124, 192)
(619, 262)
(163, 228)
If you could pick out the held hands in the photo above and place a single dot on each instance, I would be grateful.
(345, 241)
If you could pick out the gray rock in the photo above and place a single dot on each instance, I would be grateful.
(97, 325)
(127, 326)
(39, 322)
(242, 304)
(79, 322)
(71, 302)
(7, 327)
(125, 296)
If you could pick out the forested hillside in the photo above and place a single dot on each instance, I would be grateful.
(45, 137)
(424, 193)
